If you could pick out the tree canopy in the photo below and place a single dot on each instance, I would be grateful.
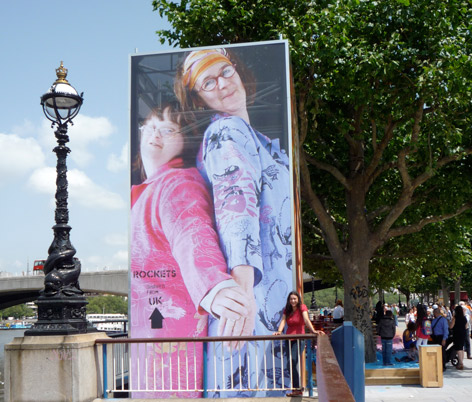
(19, 311)
(383, 93)
(107, 305)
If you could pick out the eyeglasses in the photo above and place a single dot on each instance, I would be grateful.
(209, 83)
(164, 132)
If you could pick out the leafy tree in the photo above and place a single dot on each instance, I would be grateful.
(18, 311)
(383, 102)
(107, 305)
(440, 252)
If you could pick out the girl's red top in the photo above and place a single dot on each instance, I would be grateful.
(295, 322)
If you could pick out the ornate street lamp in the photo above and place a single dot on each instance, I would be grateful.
(61, 304)
(313, 305)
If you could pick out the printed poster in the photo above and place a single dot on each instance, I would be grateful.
(211, 248)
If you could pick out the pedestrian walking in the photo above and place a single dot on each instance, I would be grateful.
(440, 329)
(458, 325)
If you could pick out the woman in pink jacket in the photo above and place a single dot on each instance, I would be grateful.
(178, 273)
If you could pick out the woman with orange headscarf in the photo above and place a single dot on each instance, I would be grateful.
(249, 176)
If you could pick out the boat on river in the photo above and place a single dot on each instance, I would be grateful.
(16, 325)
(110, 323)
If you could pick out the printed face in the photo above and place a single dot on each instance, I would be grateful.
(293, 300)
(228, 94)
(161, 141)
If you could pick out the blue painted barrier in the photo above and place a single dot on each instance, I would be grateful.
(105, 372)
(348, 345)
(309, 370)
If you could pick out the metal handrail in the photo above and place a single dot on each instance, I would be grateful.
(121, 347)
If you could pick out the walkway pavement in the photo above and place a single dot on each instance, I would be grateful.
(457, 386)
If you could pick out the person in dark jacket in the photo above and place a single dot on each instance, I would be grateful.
(387, 330)
(379, 311)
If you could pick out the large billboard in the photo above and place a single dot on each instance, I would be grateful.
(211, 245)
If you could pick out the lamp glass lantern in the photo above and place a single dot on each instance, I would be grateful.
(62, 102)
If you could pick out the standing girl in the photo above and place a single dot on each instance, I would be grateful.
(421, 324)
(296, 317)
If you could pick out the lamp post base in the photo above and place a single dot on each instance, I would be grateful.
(61, 315)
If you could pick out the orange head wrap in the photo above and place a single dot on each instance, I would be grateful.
(198, 61)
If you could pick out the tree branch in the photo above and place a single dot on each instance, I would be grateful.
(379, 211)
(417, 120)
(319, 257)
(439, 164)
(328, 168)
(326, 222)
(313, 227)
(374, 134)
(384, 230)
(372, 170)
(426, 221)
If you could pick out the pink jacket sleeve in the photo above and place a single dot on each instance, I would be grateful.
(186, 214)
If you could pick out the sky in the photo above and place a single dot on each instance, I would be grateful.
(94, 39)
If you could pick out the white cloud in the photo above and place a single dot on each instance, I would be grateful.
(117, 163)
(19, 156)
(99, 262)
(26, 129)
(85, 131)
(121, 256)
(116, 239)
(43, 180)
(94, 260)
(81, 189)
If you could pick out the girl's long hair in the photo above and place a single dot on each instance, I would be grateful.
(458, 311)
(420, 315)
(288, 306)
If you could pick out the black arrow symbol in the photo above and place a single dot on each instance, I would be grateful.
(156, 319)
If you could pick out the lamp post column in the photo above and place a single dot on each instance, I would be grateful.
(61, 304)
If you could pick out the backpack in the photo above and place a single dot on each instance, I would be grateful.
(426, 327)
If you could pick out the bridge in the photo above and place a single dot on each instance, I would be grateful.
(22, 289)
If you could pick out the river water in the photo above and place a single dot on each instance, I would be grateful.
(6, 336)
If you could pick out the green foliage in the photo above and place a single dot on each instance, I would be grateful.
(327, 297)
(107, 305)
(383, 106)
(384, 95)
(418, 262)
(19, 311)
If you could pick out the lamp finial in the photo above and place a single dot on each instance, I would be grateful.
(61, 73)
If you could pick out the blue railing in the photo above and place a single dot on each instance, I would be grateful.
(162, 367)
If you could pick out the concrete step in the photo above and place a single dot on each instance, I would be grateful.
(392, 376)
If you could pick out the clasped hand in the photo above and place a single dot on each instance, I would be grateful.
(236, 306)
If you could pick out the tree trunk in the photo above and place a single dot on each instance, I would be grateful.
(358, 307)
(457, 291)
(445, 291)
(407, 296)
